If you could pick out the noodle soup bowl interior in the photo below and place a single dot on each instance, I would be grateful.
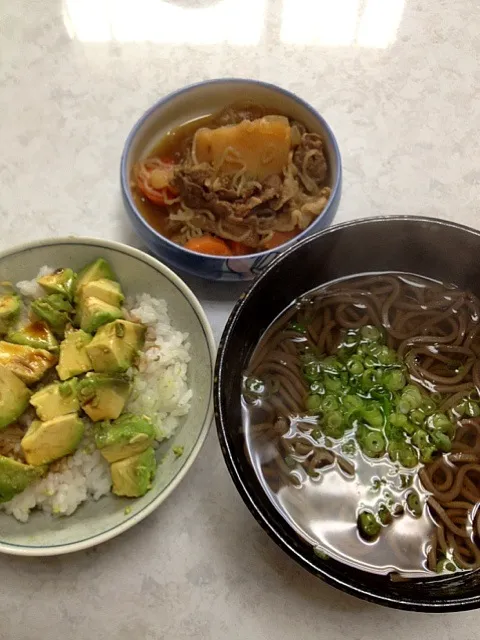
(409, 245)
(95, 522)
(198, 101)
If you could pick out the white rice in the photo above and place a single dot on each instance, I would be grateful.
(85, 475)
(30, 289)
(160, 391)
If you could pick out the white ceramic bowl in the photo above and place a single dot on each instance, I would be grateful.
(96, 522)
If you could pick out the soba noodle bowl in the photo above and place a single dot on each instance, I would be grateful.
(361, 410)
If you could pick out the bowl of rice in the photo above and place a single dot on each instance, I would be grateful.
(72, 507)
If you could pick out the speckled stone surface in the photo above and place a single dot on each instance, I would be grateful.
(398, 81)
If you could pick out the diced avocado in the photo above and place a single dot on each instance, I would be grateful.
(56, 399)
(15, 477)
(9, 311)
(47, 441)
(36, 334)
(108, 291)
(74, 358)
(54, 309)
(97, 270)
(102, 396)
(14, 397)
(27, 363)
(126, 436)
(115, 346)
(93, 313)
(133, 477)
(60, 281)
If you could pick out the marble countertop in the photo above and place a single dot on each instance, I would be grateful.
(398, 82)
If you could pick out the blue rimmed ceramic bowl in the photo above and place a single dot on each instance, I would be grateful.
(95, 522)
(200, 100)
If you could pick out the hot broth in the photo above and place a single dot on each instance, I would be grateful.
(361, 412)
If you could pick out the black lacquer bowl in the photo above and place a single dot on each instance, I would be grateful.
(428, 247)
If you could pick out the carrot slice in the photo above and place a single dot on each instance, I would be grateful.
(240, 249)
(144, 173)
(209, 245)
(280, 237)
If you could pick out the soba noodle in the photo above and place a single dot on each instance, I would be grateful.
(434, 330)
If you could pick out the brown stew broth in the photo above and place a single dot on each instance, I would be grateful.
(174, 145)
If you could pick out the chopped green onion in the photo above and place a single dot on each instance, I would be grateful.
(312, 371)
(255, 386)
(332, 384)
(352, 403)
(427, 454)
(403, 453)
(370, 362)
(363, 388)
(393, 433)
(317, 387)
(384, 515)
(398, 420)
(413, 396)
(428, 406)
(414, 504)
(334, 426)
(408, 457)
(299, 328)
(445, 565)
(472, 409)
(441, 441)
(313, 403)
(369, 378)
(460, 409)
(394, 380)
(417, 416)
(410, 428)
(404, 406)
(387, 356)
(440, 422)
(355, 366)
(372, 414)
(370, 333)
(420, 439)
(406, 480)
(368, 525)
(352, 338)
(330, 403)
(331, 365)
(349, 447)
(372, 443)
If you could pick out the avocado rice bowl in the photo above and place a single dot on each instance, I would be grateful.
(90, 383)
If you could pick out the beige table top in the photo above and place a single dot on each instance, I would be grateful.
(398, 82)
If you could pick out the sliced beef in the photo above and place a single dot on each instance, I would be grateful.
(239, 112)
(315, 167)
(195, 190)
